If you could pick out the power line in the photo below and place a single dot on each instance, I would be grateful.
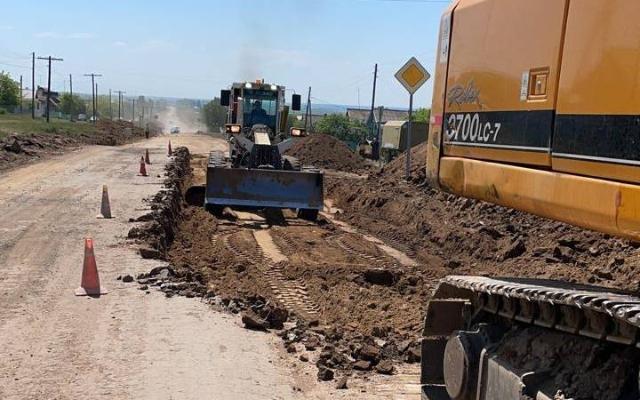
(15, 65)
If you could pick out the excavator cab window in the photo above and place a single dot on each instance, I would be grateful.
(260, 107)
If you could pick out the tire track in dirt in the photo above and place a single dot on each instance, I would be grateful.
(345, 242)
(292, 293)
(290, 246)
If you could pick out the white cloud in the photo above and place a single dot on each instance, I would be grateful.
(156, 44)
(120, 44)
(80, 35)
(58, 35)
(6, 28)
(42, 35)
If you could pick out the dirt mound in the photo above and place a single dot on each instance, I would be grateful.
(473, 237)
(397, 167)
(325, 151)
(18, 149)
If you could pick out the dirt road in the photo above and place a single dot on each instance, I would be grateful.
(127, 344)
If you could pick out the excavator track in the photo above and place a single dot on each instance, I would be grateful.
(579, 309)
(468, 322)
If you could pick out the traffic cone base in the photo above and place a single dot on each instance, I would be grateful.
(90, 292)
(143, 167)
(105, 207)
(90, 283)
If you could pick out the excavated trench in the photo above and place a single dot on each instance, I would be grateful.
(337, 294)
(335, 298)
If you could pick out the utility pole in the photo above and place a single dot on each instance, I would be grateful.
(378, 141)
(110, 106)
(33, 85)
(307, 114)
(97, 109)
(373, 100)
(20, 94)
(120, 93)
(133, 112)
(49, 58)
(73, 103)
(93, 92)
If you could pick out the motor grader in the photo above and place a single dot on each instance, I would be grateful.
(254, 173)
(536, 107)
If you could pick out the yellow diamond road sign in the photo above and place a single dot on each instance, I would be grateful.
(412, 75)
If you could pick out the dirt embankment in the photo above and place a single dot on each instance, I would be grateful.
(18, 149)
(158, 232)
(466, 236)
(325, 151)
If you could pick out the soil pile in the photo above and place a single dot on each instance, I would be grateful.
(397, 167)
(325, 151)
(472, 237)
(18, 149)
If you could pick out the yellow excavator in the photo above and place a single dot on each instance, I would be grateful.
(536, 107)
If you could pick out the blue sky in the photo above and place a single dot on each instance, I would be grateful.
(194, 48)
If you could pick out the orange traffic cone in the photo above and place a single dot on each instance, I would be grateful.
(146, 157)
(143, 168)
(170, 152)
(105, 207)
(90, 284)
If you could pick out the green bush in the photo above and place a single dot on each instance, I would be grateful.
(215, 115)
(9, 90)
(3, 111)
(341, 127)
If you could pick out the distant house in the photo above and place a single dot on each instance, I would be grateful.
(388, 114)
(41, 101)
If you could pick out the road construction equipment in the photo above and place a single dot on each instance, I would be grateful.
(536, 107)
(394, 138)
(254, 173)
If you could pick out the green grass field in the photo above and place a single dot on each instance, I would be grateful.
(23, 124)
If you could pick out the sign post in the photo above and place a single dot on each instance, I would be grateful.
(412, 76)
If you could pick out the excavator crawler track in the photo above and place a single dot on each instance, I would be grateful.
(468, 317)
(579, 309)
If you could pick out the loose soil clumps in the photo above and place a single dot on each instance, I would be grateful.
(158, 232)
(325, 151)
(18, 149)
(470, 237)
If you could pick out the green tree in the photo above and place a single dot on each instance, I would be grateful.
(214, 115)
(72, 105)
(294, 122)
(421, 115)
(9, 90)
(341, 127)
